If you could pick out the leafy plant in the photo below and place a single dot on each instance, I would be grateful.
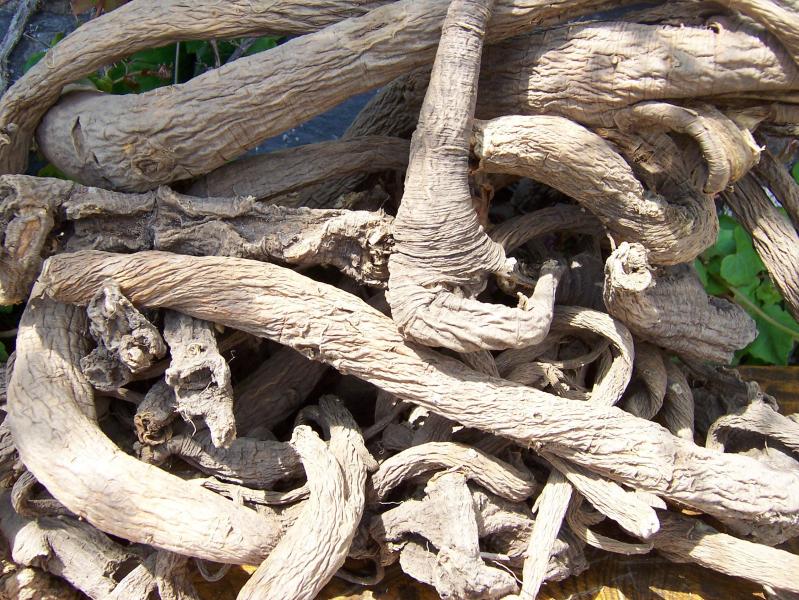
(732, 268)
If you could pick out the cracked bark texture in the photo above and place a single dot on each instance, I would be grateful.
(127, 343)
(304, 561)
(77, 467)
(457, 569)
(200, 376)
(357, 242)
(67, 548)
(336, 327)
(493, 474)
(547, 72)
(85, 132)
(432, 288)
(577, 162)
(269, 176)
(139, 25)
(670, 308)
(255, 463)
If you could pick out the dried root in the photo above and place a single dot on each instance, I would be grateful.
(523, 360)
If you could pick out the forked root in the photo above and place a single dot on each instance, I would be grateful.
(579, 163)
(669, 307)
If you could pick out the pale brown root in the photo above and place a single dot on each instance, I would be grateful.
(257, 463)
(757, 417)
(26, 226)
(449, 522)
(25, 503)
(127, 342)
(137, 584)
(70, 549)
(156, 411)
(779, 17)
(338, 328)
(689, 540)
(579, 163)
(554, 500)
(8, 452)
(268, 176)
(516, 232)
(677, 413)
(262, 497)
(312, 550)
(776, 177)
(140, 25)
(172, 577)
(670, 308)
(199, 375)
(357, 242)
(78, 469)
(729, 150)
(137, 143)
(34, 584)
(545, 73)
(432, 287)
(645, 396)
(493, 474)
(551, 508)
(580, 524)
(776, 241)
(633, 514)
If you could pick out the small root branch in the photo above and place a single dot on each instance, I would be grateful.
(200, 376)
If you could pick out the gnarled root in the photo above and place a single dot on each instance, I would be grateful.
(70, 549)
(579, 163)
(447, 519)
(85, 133)
(318, 319)
(121, 33)
(200, 376)
(268, 176)
(729, 150)
(304, 560)
(357, 242)
(669, 307)
(91, 476)
(127, 343)
(493, 474)
(431, 288)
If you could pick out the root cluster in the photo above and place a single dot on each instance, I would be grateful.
(481, 375)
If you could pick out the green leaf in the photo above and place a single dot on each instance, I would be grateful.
(743, 267)
(725, 242)
(6, 309)
(3, 353)
(50, 170)
(773, 346)
(32, 60)
(262, 43)
(795, 172)
(767, 294)
(102, 83)
(701, 271)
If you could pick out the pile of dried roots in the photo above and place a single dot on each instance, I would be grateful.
(466, 337)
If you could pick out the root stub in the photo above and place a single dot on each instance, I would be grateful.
(466, 341)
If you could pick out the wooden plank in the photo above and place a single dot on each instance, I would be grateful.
(780, 382)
